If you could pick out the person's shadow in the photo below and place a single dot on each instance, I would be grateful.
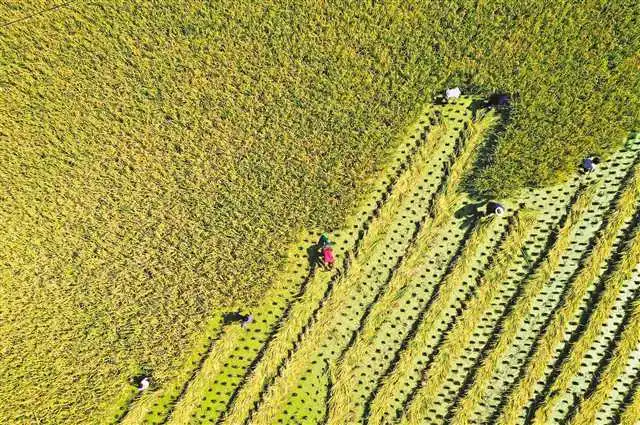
(312, 255)
(469, 213)
(232, 317)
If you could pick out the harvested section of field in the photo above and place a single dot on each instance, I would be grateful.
(440, 315)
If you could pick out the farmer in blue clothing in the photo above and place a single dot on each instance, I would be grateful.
(589, 164)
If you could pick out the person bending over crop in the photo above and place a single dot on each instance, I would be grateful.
(494, 208)
(589, 164)
(327, 257)
(452, 94)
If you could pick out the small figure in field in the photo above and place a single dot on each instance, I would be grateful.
(248, 319)
(327, 257)
(494, 208)
(144, 383)
(325, 252)
(498, 101)
(589, 164)
(452, 94)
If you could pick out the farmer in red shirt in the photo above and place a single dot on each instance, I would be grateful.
(327, 257)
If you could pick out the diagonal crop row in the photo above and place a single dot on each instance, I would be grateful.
(341, 403)
(472, 390)
(554, 332)
(286, 338)
(277, 393)
(628, 343)
(587, 335)
(433, 377)
(631, 411)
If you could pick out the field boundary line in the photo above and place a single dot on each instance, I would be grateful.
(534, 367)
(472, 389)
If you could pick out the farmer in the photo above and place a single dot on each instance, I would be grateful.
(498, 101)
(248, 319)
(327, 257)
(452, 94)
(494, 208)
(589, 164)
(144, 383)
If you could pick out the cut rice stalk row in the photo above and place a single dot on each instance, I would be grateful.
(554, 333)
(476, 392)
(462, 332)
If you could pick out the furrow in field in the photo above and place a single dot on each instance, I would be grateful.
(337, 304)
(629, 411)
(554, 333)
(624, 389)
(306, 310)
(342, 403)
(435, 373)
(473, 388)
(592, 320)
(603, 382)
(508, 371)
(224, 371)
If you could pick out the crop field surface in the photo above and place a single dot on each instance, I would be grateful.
(439, 314)
(166, 164)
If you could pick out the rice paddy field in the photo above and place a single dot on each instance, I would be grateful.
(164, 165)
(439, 313)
